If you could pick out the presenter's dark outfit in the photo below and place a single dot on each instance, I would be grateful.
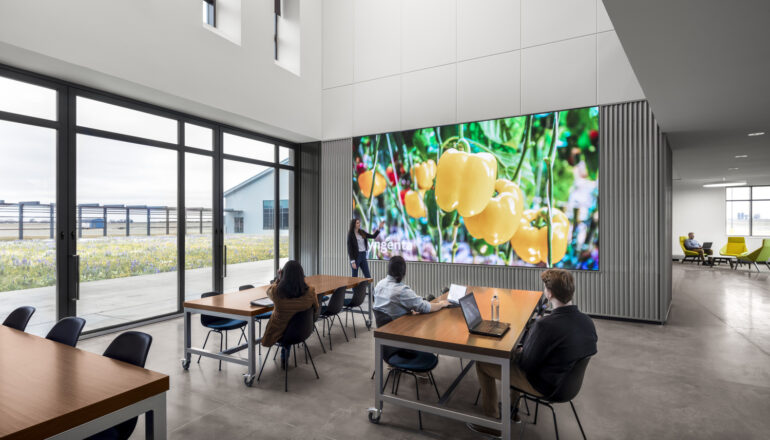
(357, 248)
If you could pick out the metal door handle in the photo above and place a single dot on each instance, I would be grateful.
(76, 259)
(225, 261)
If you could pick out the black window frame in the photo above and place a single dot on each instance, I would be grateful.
(67, 131)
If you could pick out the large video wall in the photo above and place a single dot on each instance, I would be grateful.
(519, 191)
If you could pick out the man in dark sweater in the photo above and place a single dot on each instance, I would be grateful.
(554, 344)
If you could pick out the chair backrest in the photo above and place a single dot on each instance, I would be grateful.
(359, 294)
(336, 302)
(67, 331)
(131, 347)
(681, 242)
(735, 246)
(381, 318)
(246, 287)
(299, 328)
(19, 318)
(207, 320)
(570, 385)
(763, 253)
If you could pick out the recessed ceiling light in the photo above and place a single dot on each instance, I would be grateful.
(741, 156)
(723, 184)
(732, 169)
(757, 133)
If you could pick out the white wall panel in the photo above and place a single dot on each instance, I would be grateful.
(377, 39)
(546, 21)
(615, 79)
(428, 34)
(338, 112)
(429, 97)
(487, 27)
(377, 106)
(337, 43)
(559, 75)
(489, 87)
(603, 22)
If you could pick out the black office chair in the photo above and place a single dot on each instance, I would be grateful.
(332, 310)
(67, 331)
(220, 326)
(300, 328)
(19, 318)
(259, 318)
(359, 295)
(565, 392)
(409, 362)
(131, 347)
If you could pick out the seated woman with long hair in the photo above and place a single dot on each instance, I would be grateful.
(290, 295)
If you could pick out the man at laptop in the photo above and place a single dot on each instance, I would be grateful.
(553, 345)
(691, 244)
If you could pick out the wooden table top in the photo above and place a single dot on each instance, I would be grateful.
(447, 328)
(239, 303)
(47, 388)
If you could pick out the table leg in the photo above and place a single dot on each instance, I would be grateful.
(248, 378)
(369, 322)
(155, 420)
(376, 411)
(187, 340)
(505, 394)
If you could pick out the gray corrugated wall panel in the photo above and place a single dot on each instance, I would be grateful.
(634, 280)
(308, 206)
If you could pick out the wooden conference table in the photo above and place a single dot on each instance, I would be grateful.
(48, 389)
(445, 332)
(237, 305)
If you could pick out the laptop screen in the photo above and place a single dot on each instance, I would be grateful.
(470, 310)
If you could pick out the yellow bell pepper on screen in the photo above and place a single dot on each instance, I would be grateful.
(415, 207)
(531, 240)
(465, 181)
(423, 174)
(365, 183)
(498, 222)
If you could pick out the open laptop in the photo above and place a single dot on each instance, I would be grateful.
(707, 245)
(473, 319)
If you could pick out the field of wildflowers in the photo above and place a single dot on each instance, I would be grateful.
(26, 264)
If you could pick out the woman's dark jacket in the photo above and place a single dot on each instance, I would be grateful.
(353, 242)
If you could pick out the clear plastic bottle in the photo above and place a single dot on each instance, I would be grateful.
(495, 308)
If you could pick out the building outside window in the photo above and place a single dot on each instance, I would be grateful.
(238, 229)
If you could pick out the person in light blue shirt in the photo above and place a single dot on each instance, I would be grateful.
(691, 244)
(396, 299)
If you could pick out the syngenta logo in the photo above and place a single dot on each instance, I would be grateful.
(390, 246)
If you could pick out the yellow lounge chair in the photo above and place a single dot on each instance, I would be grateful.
(761, 255)
(735, 246)
(691, 255)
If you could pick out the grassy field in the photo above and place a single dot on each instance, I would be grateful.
(25, 264)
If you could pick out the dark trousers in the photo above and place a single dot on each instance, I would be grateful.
(362, 264)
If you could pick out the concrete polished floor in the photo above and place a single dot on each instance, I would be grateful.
(705, 375)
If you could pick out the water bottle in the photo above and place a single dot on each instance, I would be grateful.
(495, 308)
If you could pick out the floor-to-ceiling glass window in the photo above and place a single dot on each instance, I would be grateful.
(28, 202)
(199, 238)
(95, 190)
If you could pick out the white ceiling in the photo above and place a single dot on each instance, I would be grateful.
(704, 66)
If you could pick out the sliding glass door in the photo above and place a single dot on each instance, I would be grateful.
(126, 229)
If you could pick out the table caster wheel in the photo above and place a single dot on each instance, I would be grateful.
(186, 364)
(248, 380)
(374, 415)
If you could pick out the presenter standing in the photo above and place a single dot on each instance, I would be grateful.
(358, 245)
